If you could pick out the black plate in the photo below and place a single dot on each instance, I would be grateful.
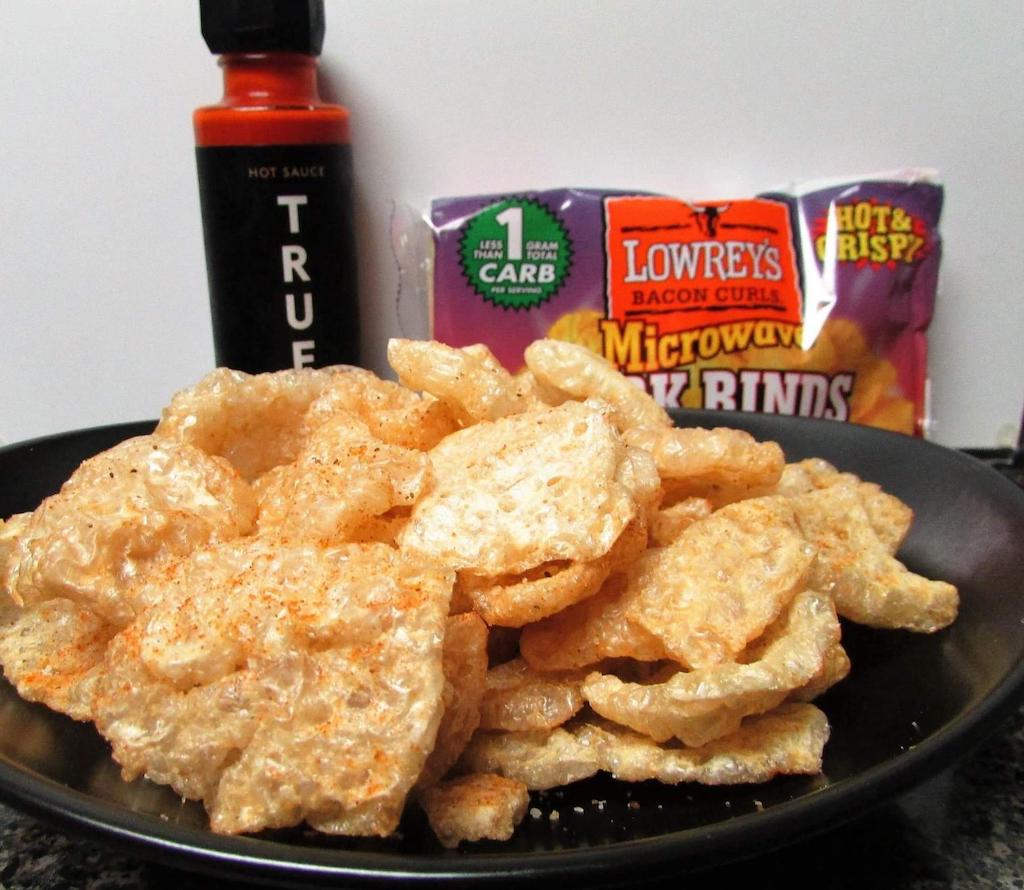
(911, 706)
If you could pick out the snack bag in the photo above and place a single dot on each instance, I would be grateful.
(813, 300)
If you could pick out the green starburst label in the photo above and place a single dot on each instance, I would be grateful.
(515, 253)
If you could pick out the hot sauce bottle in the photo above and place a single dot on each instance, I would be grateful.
(275, 186)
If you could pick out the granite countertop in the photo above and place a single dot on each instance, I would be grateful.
(962, 829)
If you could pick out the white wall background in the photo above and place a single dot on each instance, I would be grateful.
(102, 277)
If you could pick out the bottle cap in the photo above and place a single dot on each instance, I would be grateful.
(258, 26)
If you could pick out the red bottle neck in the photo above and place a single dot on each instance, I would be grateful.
(265, 80)
(270, 99)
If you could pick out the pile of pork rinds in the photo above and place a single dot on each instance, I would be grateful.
(314, 596)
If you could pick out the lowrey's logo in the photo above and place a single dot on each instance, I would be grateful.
(706, 216)
(689, 281)
(871, 231)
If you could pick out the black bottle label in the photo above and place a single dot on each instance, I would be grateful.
(280, 255)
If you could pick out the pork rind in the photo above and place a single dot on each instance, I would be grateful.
(383, 529)
(890, 517)
(470, 381)
(342, 478)
(517, 600)
(540, 759)
(583, 374)
(868, 584)
(699, 706)
(121, 514)
(789, 740)
(836, 668)
(535, 393)
(52, 653)
(282, 683)
(10, 532)
(591, 631)
(518, 698)
(724, 465)
(668, 523)
(392, 413)
(252, 420)
(464, 659)
(533, 488)
(723, 581)
(471, 808)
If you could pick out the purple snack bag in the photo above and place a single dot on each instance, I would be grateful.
(810, 300)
